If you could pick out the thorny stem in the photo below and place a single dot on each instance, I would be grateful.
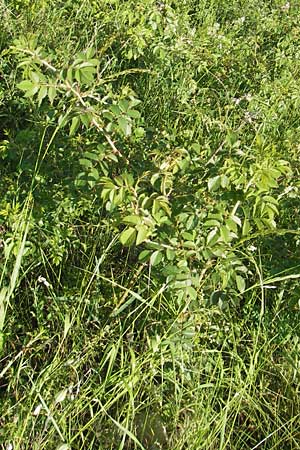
(95, 122)
(68, 87)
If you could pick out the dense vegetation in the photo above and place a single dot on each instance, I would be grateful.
(149, 224)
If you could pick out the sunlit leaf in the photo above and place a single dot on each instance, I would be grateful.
(240, 282)
(142, 234)
(128, 236)
(74, 125)
(144, 255)
(156, 258)
(214, 183)
(133, 113)
(212, 237)
(85, 162)
(191, 292)
(42, 94)
(124, 126)
(51, 93)
(131, 219)
(25, 85)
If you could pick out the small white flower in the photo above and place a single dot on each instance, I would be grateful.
(286, 7)
(249, 116)
(37, 410)
(252, 248)
(236, 101)
(161, 6)
(43, 280)
(288, 189)
(241, 20)
(9, 446)
(248, 97)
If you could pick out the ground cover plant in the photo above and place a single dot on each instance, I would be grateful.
(149, 224)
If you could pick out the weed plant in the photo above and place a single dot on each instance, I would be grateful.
(149, 225)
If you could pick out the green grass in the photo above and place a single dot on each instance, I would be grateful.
(196, 347)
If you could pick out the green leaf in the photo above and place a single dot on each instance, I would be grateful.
(128, 236)
(269, 199)
(212, 223)
(51, 94)
(124, 105)
(91, 155)
(196, 147)
(143, 232)
(86, 119)
(124, 126)
(271, 209)
(85, 162)
(224, 181)
(187, 236)
(86, 66)
(74, 125)
(231, 224)
(216, 216)
(90, 53)
(107, 115)
(31, 92)
(94, 174)
(25, 85)
(156, 258)
(214, 183)
(189, 244)
(246, 227)
(87, 74)
(181, 284)
(182, 263)
(237, 220)
(78, 75)
(35, 77)
(139, 132)
(42, 94)
(170, 254)
(225, 234)
(62, 120)
(212, 237)
(269, 223)
(70, 75)
(144, 255)
(135, 220)
(240, 282)
(191, 292)
(115, 109)
(134, 113)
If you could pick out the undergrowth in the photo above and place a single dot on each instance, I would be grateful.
(149, 225)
